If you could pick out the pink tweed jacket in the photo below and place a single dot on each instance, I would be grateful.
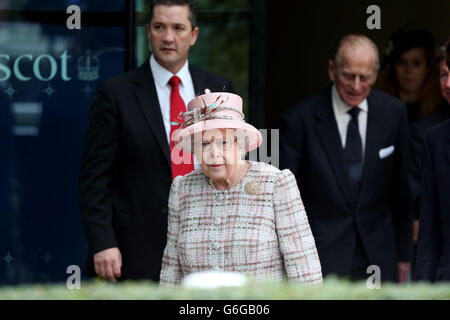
(258, 228)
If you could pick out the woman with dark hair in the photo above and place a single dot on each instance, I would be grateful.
(412, 72)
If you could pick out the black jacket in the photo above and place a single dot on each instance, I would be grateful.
(125, 173)
(433, 252)
(311, 148)
(418, 129)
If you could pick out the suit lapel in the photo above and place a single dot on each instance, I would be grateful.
(329, 135)
(147, 98)
(199, 80)
(148, 101)
(374, 141)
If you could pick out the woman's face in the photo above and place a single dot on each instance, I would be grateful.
(219, 153)
(411, 70)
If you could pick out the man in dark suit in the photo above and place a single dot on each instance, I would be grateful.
(418, 129)
(347, 148)
(126, 169)
(433, 253)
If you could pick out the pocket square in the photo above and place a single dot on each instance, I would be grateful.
(386, 152)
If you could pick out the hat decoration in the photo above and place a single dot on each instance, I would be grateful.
(206, 112)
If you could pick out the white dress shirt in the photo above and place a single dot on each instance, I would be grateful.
(340, 109)
(161, 77)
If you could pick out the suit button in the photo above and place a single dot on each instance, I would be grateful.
(165, 211)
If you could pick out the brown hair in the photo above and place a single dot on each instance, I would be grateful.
(430, 96)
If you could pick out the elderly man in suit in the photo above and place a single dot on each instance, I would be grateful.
(127, 168)
(347, 147)
(433, 253)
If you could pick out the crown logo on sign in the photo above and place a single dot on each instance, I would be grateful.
(88, 67)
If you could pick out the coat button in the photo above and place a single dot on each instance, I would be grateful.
(218, 221)
(220, 197)
(216, 245)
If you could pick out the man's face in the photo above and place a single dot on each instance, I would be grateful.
(355, 74)
(444, 75)
(171, 36)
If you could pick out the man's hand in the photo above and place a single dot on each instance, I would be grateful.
(403, 271)
(416, 231)
(108, 263)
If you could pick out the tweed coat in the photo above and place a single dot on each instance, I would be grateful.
(258, 228)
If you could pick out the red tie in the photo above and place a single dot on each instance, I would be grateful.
(177, 107)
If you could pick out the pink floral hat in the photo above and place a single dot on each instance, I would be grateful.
(216, 110)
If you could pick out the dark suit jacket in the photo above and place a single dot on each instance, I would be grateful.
(433, 253)
(125, 173)
(311, 148)
(418, 129)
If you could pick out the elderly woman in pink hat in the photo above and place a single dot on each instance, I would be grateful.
(234, 215)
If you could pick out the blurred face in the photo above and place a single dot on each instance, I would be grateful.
(355, 74)
(219, 153)
(411, 70)
(171, 36)
(445, 80)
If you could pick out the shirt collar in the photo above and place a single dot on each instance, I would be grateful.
(341, 106)
(162, 75)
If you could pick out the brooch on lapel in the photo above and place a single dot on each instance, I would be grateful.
(252, 188)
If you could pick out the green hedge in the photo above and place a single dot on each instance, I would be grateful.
(332, 289)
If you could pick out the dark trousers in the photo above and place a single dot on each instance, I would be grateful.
(360, 262)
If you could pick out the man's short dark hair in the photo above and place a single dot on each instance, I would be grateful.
(190, 3)
(442, 51)
(447, 53)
